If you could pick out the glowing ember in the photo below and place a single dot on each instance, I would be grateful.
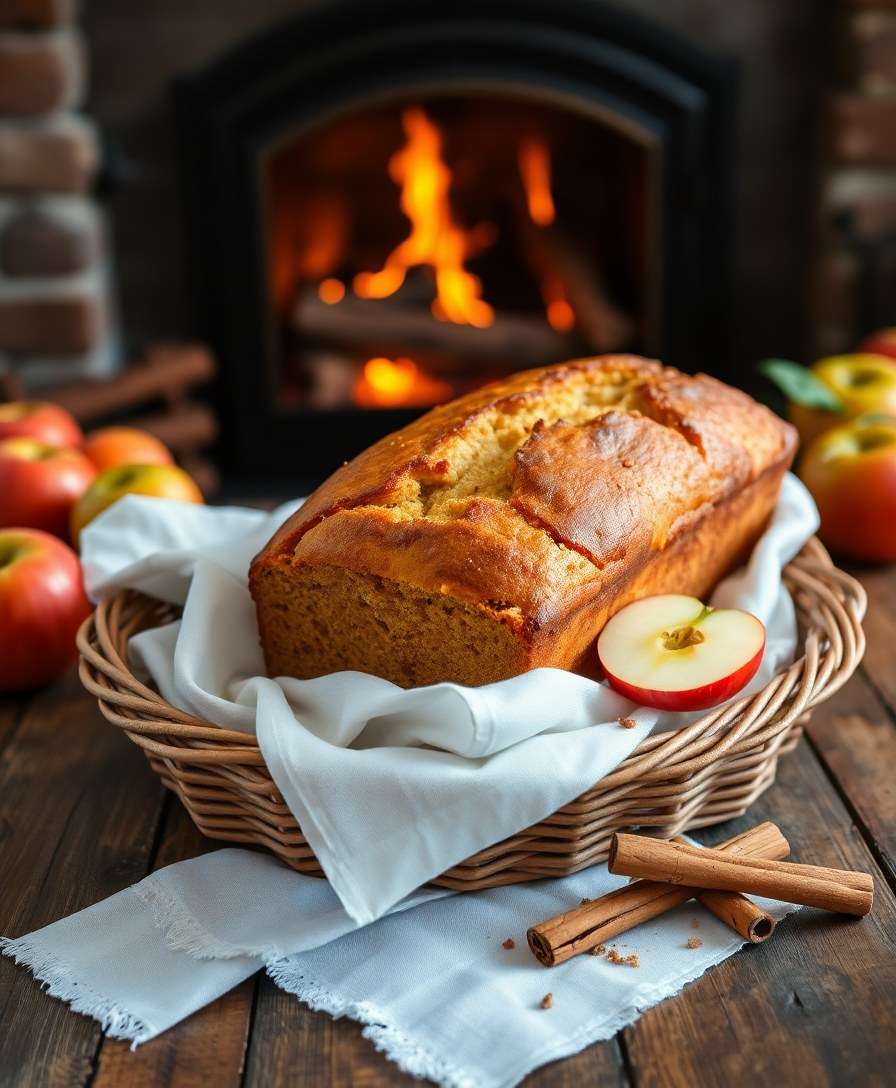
(397, 383)
(331, 291)
(561, 316)
(535, 171)
(435, 239)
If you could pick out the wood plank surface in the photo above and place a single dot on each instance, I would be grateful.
(879, 664)
(82, 815)
(854, 736)
(208, 1047)
(12, 711)
(812, 1006)
(81, 812)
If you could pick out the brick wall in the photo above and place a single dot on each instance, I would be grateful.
(54, 303)
(856, 273)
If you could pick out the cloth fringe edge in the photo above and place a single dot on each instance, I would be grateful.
(60, 981)
(389, 1040)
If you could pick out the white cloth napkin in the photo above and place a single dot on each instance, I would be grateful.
(390, 787)
(433, 985)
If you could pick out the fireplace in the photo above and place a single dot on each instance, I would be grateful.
(395, 205)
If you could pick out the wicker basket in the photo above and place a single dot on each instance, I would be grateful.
(710, 771)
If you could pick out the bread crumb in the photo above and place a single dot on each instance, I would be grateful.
(509, 943)
(624, 961)
(694, 942)
(547, 1001)
(613, 956)
(627, 723)
(582, 902)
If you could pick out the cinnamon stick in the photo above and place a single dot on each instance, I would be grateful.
(578, 930)
(678, 863)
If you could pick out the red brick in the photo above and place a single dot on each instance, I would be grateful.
(874, 34)
(57, 158)
(40, 74)
(40, 243)
(864, 129)
(51, 326)
(36, 14)
(868, 195)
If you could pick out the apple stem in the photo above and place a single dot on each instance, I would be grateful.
(682, 637)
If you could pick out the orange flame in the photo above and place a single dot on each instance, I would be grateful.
(535, 171)
(435, 239)
(388, 383)
(560, 314)
(534, 163)
(331, 291)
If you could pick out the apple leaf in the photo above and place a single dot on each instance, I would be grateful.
(800, 385)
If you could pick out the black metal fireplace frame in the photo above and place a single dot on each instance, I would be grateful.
(338, 54)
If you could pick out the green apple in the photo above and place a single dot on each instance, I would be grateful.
(158, 481)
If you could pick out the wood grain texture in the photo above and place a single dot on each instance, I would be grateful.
(80, 809)
(812, 1006)
(208, 1047)
(879, 666)
(12, 710)
(855, 737)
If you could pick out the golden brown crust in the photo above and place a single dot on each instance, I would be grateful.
(541, 498)
(416, 452)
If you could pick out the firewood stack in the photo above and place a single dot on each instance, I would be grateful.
(155, 395)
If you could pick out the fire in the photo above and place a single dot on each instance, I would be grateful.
(534, 163)
(561, 316)
(435, 239)
(397, 383)
(535, 171)
(331, 291)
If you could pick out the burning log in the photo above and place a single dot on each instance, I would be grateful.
(374, 327)
(569, 274)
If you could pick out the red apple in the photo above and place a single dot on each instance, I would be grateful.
(159, 481)
(40, 420)
(851, 472)
(42, 604)
(675, 653)
(882, 342)
(40, 484)
(113, 446)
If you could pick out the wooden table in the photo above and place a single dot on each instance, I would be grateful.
(82, 816)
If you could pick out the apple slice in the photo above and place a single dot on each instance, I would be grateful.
(675, 653)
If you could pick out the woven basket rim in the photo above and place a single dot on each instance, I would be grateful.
(106, 673)
(705, 772)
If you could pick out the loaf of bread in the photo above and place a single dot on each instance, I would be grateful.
(498, 533)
